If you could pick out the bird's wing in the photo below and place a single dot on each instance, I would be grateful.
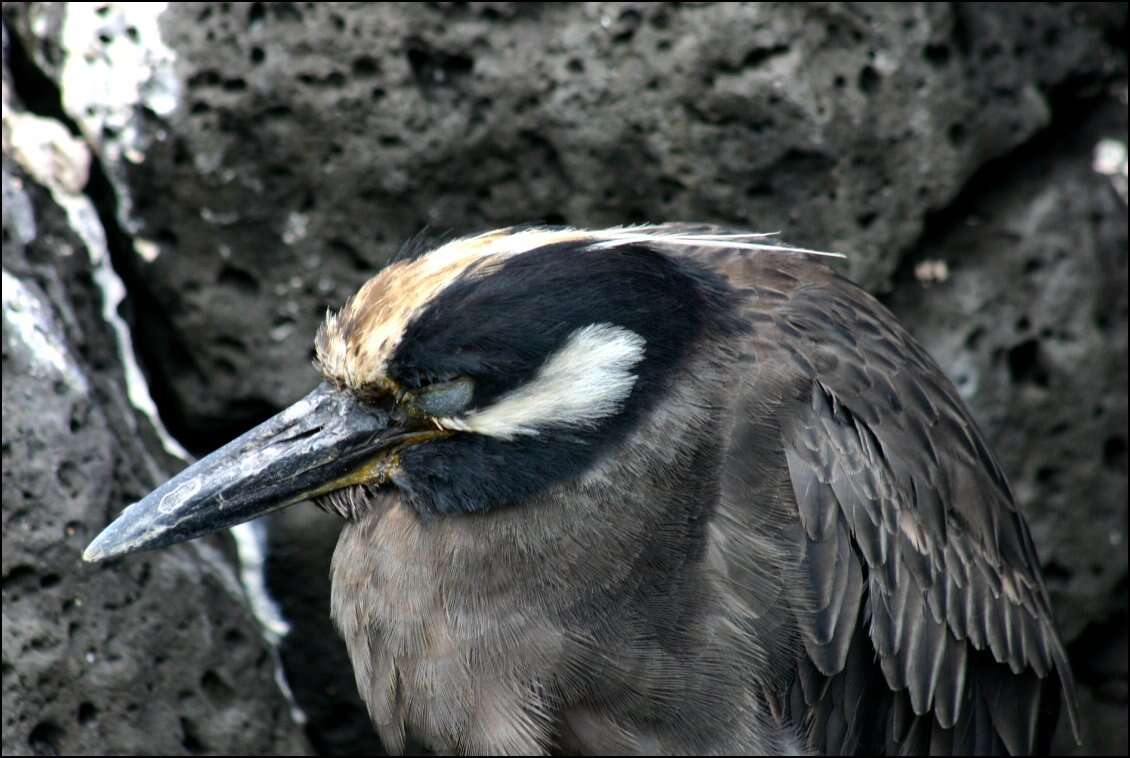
(925, 622)
(914, 553)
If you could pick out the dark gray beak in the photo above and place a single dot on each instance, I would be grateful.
(325, 441)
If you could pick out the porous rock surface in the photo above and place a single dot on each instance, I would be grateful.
(155, 655)
(262, 160)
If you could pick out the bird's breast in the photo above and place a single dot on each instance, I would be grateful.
(442, 652)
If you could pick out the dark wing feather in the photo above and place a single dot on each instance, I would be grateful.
(915, 546)
(924, 619)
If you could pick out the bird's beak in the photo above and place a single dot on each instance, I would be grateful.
(325, 441)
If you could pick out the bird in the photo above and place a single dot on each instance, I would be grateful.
(658, 489)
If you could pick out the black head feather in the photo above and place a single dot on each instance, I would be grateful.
(500, 326)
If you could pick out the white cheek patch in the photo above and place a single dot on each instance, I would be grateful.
(587, 379)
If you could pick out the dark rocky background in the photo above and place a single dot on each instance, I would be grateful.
(251, 164)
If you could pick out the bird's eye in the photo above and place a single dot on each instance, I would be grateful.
(442, 399)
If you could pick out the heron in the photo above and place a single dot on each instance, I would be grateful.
(664, 489)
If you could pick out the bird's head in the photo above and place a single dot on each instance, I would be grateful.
(469, 378)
